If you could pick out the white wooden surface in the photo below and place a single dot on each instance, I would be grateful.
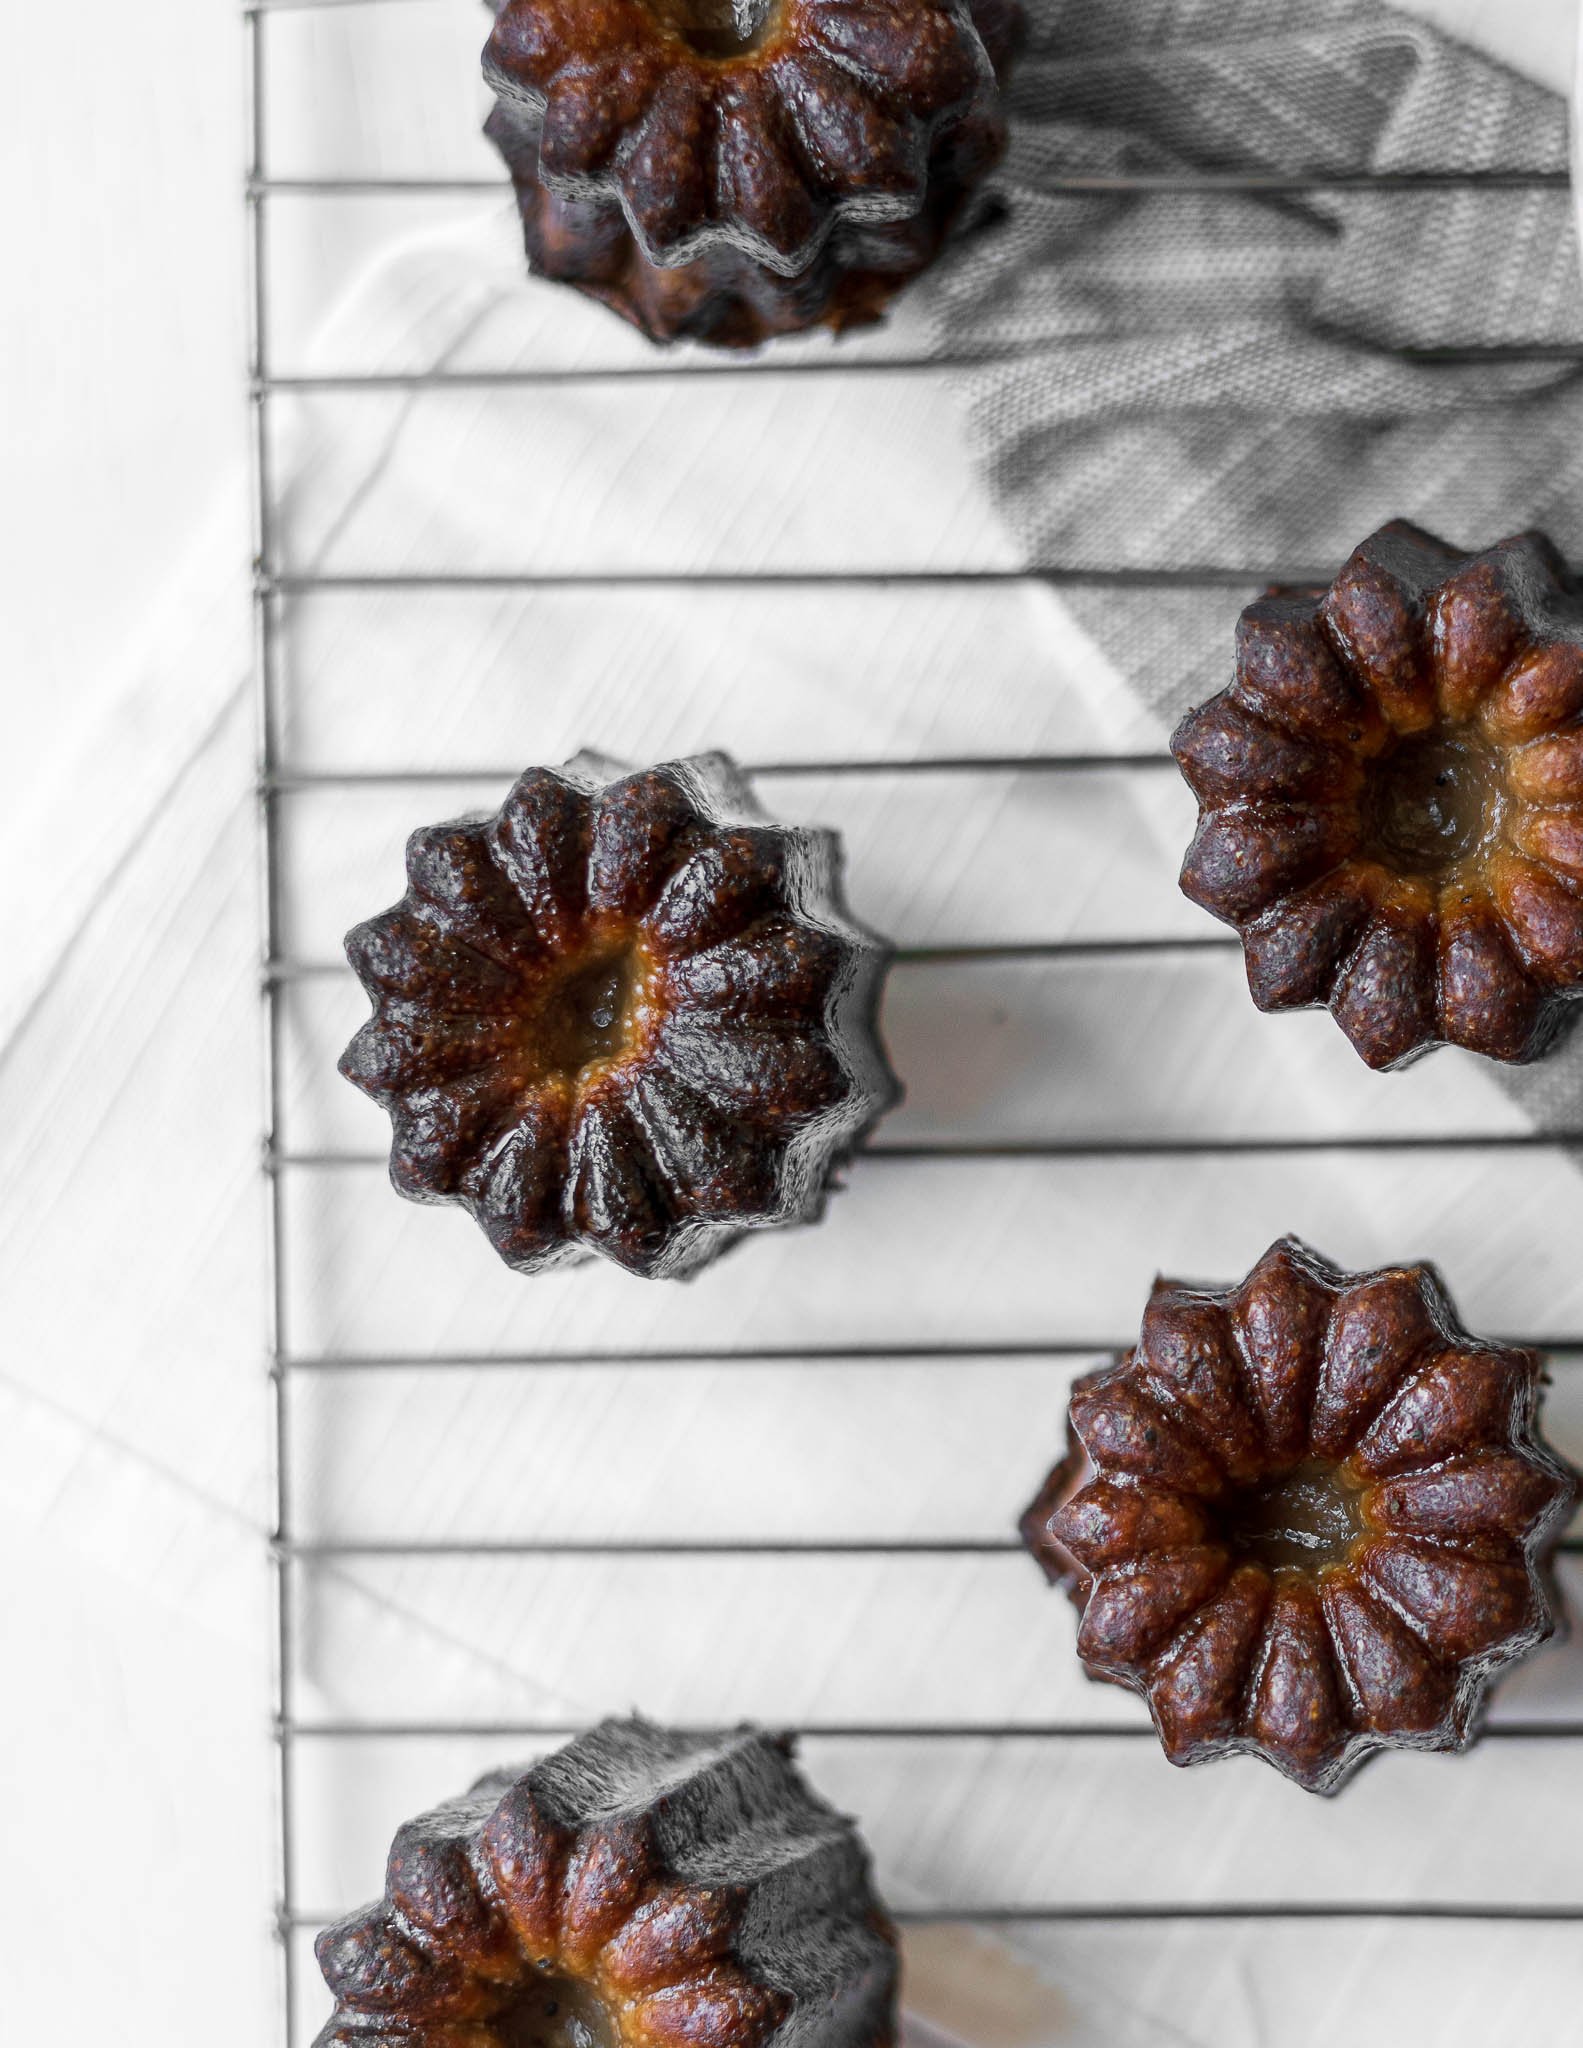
(132, 1457)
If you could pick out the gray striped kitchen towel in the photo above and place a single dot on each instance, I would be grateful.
(1255, 380)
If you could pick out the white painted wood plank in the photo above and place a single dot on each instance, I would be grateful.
(478, 679)
(937, 858)
(378, 90)
(874, 1452)
(966, 1251)
(1034, 1822)
(884, 1451)
(899, 1640)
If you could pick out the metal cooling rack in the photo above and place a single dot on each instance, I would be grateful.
(279, 779)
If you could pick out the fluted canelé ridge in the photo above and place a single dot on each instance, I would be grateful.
(628, 1015)
(1391, 797)
(1307, 1518)
(641, 1888)
(728, 170)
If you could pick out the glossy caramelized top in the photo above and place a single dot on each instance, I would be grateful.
(627, 1015)
(1391, 797)
(756, 125)
(1308, 1517)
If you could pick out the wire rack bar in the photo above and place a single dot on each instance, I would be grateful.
(265, 650)
(1559, 1350)
(1258, 1909)
(643, 1546)
(324, 382)
(298, 583)
(1110, 184)
(1142, 1730)
(288, 971)
(664, 372)
(967, 1914)
(836, 1355)
(291, 781)
(1102, 1147)
(308, 1552)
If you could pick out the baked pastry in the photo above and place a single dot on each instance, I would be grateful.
(729, 170)
(638, 1889)
(1308, 1517)
(626, 1015)
(1391, 797)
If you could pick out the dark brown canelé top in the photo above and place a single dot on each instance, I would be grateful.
(1391, 797)
(1308, 1517)
(628, 1015)
(641, 1888)
(731, 172)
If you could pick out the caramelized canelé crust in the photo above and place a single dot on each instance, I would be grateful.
(730, 170)
(1391, 797)
(628, 1015)
(639, 1889)
(1308, 1517)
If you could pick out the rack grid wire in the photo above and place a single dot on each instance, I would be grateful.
(280, 779)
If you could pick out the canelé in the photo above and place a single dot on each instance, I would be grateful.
(1391, 797)
(640, 1888)
(628, 1015)
(1308, 1517)
(730, 170)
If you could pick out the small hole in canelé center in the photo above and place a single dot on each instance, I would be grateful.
(1308, 1518)
(1431, 802)
(718, 28)
(587, 1015)
(556, 2012)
